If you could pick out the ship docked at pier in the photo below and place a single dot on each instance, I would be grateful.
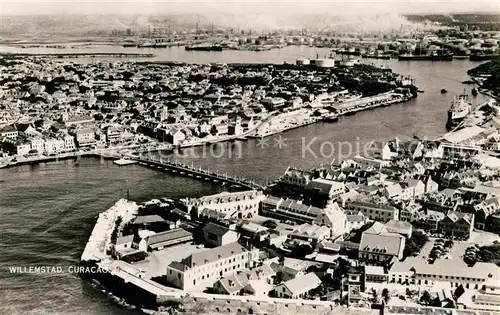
(460, 108)
(429, 57)
(377, 55)
(204, 47)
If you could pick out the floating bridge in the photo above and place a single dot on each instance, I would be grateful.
(198, 172)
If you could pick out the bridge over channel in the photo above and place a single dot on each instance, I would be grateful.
(198, 172)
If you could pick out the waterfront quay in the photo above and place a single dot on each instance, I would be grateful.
(369, 103)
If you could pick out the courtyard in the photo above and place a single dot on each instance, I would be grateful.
(156, 264)
(477, 238)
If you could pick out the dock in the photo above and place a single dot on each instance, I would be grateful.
(122, 162)
(365, 103)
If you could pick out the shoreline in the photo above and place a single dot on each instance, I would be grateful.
(108, 154)
(77, 55)
(251, 134)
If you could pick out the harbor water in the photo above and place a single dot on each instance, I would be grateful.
(47, 211)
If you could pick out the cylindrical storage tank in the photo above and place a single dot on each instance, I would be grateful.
(491, 41)
(324, 63)
(303, 62)
(347, 63)
(411, 47)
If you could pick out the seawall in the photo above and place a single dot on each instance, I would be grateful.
(125, 281)
(100, 238)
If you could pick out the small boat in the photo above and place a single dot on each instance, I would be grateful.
(420, 91)
(443, 91)
(126, 45)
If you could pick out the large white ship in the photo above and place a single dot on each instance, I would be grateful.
(459, 109)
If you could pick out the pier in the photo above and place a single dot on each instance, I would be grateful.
(198, 172)
(384, 99)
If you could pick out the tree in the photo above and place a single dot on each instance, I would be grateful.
(340, 271)
(214, 131)
(374, 298)
(426, 298)
(409, 293)
(415, 243)
(448, 244)
(270, 224)
(116, 230)
(278, 278)
(302, 250)
(385, 295)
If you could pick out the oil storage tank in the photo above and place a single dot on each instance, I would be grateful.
(303, 62)
(324, 63)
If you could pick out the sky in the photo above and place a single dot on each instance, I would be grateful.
(357, 7)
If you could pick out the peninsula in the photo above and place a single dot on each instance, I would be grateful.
(408, 227)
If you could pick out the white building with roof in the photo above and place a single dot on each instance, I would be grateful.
(84, 136)
(399, 227)
(256, 281)
(382, 248)
(335, 219)
(296, 177)
(374, 211)
(487, 298)
(243, 204)
(206, 267)
(452, 272)
(311, 233)
(327, 188)
(298, 287)
(289, 209)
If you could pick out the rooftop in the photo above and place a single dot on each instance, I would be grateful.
(168, 236)
(448, 267)
(216, 229)
(148, 219)
(303, 283)
(214, 254)
(385, 243)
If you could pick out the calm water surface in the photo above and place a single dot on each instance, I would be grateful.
(47, 211)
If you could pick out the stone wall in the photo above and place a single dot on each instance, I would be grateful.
(224, 304)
